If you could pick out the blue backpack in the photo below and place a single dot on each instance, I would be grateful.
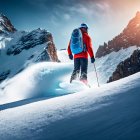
(76, 41)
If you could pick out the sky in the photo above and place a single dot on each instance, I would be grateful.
(105, 18)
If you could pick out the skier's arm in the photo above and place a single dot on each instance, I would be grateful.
(69, 50)
(89, 47)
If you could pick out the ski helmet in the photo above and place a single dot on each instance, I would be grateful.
(83, 25)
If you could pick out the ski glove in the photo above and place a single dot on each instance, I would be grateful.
(71, 57)
(92, 59)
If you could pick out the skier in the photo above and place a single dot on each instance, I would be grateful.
(80, 45)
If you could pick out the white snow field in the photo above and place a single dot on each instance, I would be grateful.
(42, 79)
(39, 103)
(110, 112)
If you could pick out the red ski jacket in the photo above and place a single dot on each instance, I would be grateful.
(87, 41)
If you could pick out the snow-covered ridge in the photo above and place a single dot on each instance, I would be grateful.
(127, 67)
(29, 40)
(107, 65)
(20, 49)
(128, 37)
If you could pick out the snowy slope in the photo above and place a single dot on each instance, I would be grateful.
(39, 80)
(109, 112)
(105, 66)
(63, 56)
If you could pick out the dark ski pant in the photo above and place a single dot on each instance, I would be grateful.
(80, 63)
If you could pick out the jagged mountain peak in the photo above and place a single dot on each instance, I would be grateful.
(6, 25)
(129, 37)
(135, 21)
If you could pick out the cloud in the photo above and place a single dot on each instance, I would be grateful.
(106, 18)
(67, 16)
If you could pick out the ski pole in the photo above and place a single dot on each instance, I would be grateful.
(96, 75)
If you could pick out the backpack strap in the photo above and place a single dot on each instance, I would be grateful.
(84, 31)
(85, 46)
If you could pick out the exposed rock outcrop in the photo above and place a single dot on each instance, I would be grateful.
(6, 25)
(128, 67)
(4, 75)
(52, 52)
(129, 37)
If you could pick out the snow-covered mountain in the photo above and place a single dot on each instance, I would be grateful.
(107, 64)
(129, 37)
(127, 67)
(18, 49)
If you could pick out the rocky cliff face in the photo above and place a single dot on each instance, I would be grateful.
(129, 37)
(6, 25)
(127, 67)
(19, 49)
(52, 52)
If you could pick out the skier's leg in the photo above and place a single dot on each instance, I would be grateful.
(84, 67)
(76, 69)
